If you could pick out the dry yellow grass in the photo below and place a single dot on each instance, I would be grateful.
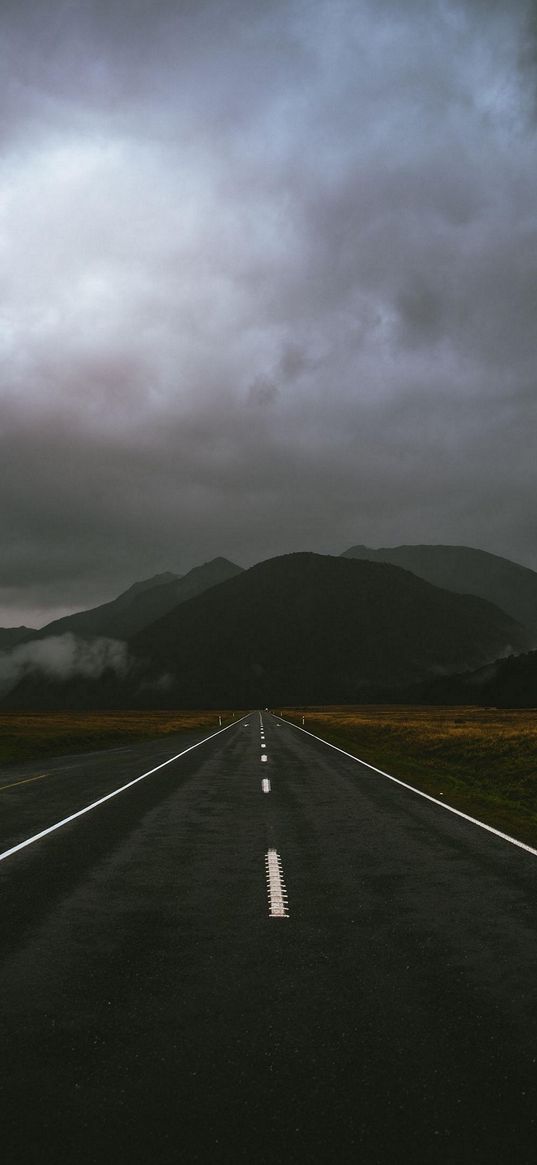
(24, 736)
(481, 760)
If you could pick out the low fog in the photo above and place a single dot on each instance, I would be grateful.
(62, 657)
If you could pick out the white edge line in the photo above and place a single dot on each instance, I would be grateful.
(443, 805)
(80, 812)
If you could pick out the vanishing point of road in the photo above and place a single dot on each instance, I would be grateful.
(261, 950)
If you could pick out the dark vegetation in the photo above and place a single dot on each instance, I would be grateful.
(506, 683)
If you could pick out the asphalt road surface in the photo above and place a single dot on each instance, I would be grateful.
(153, 1009)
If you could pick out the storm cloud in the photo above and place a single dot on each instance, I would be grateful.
(268, 283)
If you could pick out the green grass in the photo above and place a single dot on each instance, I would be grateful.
(27, 736)
(482, 761)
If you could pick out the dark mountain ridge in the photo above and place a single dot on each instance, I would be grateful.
(141, 604)
(465, 570)
(461, 569)
(302, 628)
(10, 636)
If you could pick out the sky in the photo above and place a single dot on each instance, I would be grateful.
(268, 280)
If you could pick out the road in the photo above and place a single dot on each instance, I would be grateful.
(153, 1010)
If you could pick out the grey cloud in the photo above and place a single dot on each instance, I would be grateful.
(291, 364)
(263, 391)
(293, 361)
(326, 209)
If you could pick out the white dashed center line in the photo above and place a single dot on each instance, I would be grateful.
(264, 756)
(277, 894)
(265, 785)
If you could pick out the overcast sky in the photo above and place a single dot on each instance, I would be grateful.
(268, 282)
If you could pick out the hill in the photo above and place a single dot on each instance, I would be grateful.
(466, 571)
(303, 628)
(142, 603)
(10, 636)
(506, 683)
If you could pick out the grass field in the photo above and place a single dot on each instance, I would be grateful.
(25, 736)
(481, 760)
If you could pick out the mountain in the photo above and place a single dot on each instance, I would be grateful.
(464, 570)
(505, 683)
(303, 628)
(10, 636)
(142, 603)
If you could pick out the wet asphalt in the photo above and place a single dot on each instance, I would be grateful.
(152, 1011)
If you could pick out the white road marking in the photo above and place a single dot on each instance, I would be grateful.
(277, 894)
(264, 756)
(80, 812)
(265, 785)
(443, 804)
(263, 746)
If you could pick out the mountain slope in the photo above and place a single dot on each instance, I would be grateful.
(303, 628)
(142, 603)
(466, 571)
(506, 683)
(10, 636)
(318, 629)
